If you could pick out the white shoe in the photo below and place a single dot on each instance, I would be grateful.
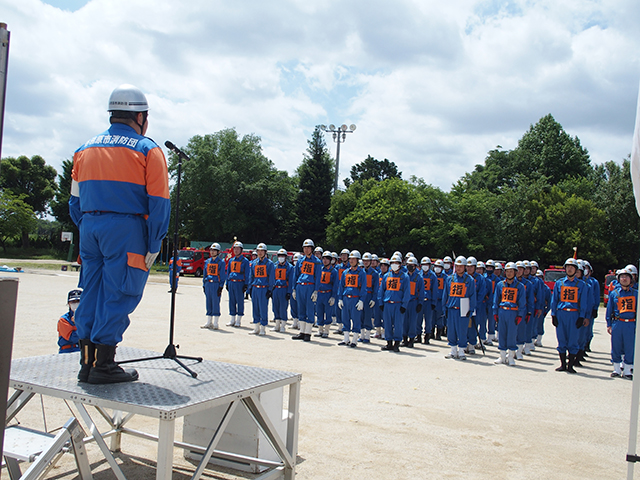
(461, 355)
(512, 360)
(453, 353)
(488, 342)
(334, 320)
(526, 349)
(256, 329)
(628, 372)
(238, 321)
(215, 323)
(296, 324)
(283, 326)
(276, 327)
(262, 330)
(617, 370)
(208, 324)
(502, 359)
(538, 342)
(519, 352)
(470, 350)
(232, 322)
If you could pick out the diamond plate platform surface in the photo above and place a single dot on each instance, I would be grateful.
(164, 387)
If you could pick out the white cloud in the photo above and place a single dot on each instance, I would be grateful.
(431, 86)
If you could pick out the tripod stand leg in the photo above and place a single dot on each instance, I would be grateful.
(191, 372)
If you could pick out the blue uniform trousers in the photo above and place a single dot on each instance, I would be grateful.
(112, 287)
(622, 341)
(367, 313)
(472, 332)
(293, 303)
(426, 316)
(306, 308)
(540, 323)
(410, 320)
(173, 281)
(481, 320)
(491, 323)
(507, 329)
(377, 315)
(532, 329)
(521, 332)
(567, 332)
(351, 316)
(323, 309)
(260, 304)
(393, 321)
(279, 303)
(236, 298)
(583, 335)
(211, 298)
(438, 316)
(457, 328)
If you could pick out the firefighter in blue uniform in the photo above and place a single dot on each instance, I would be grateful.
(583, 331)
(480, 287)
(447, 265)
(307, 277)
(213, 278)
(621, 324)
(429, 301)
(292, 301)
(370, 300)
(459, 293)
(334, 309)
(484, 305)
(521, 335)
(509, 307)
(594, 285)
(68, 339)
(174, 278)
(538, 303)
(326, 295)
(394, 295)
(238, 273)
(492, 281)
(342, 266)
(414, 308)
(438, 314)
(384, 266)
(568, 313)
(352, 290)
(282, 288)
(261, 281)
(120, 202)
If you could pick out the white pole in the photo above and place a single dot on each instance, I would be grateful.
(4, 63)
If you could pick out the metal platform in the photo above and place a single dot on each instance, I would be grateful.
(165, 392)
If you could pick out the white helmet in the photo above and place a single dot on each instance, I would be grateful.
(581, 265)
(396, 258)
(215, 246)
(490, 263)
(319, 249)
(480, 265)
(519, 264)
(447, 259)
(571, 261)
(632, 269)
(127, 98)
(508, 266)
(375, 257)
(367, 256)
(345, 250)
(539, 273)
(334, 255)
(238, 244)
(471, 261)
(282, 251)
(439, 263)
(262, 246)
(355, 254)
(526, 264)
(425, 261)
(409, 254)
(385, 261)
(498, 266)
(360, 263)
(534, 264)
(308, 243)
(296, 257)
(461, 261)
(412, 261)
(327, 253)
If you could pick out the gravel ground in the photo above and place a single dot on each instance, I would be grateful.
(365, 413)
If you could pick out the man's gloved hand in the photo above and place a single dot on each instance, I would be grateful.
(360, 305)
(579, 322)
(554, 320)
(527, 317)
(537, 313)
(402, 309)
(332, 301)
(149, 258)
(594, 314)
(293, 294)
(418, 308)
(382, 307)
(340, 304)
(495, 317)
(372, 303)
(219, 291)
(268, 293)
(288, 296)
(244, 289)
(314, 296)
(518, 320)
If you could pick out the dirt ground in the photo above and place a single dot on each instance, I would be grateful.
(365, 413)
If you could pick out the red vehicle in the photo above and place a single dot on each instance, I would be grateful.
(192, 261)
(553, 274)
(608, 285)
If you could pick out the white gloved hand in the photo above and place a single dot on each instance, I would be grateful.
(332, 301)
(293, 294)
(359, 305)
(314, 296)
(340, 304)
(149, 258)
(372, 303)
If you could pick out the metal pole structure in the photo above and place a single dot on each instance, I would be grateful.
(339, 136)
(8, 300)
(4, 65)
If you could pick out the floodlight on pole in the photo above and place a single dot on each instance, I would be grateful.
(339, 135)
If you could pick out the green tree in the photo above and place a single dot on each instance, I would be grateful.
(315, 183)
(16, 216)
(372, 168)
(30, 177)
(60, 203)
(229, 188)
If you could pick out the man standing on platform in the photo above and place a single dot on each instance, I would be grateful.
(120, 203)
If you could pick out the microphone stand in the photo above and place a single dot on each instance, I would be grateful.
(170, 352)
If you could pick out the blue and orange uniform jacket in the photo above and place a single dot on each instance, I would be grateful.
(307, 272)
(214, 271)
(67, 334)
(261, 273)
(510, 296)
(622, 305)
(569, 295)
(283, 276)
(239, 270)
(353, 283)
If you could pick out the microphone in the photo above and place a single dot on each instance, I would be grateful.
(176, 150)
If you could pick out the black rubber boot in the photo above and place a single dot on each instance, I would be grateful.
(388, 346)
(87, 357)
(426, 338)
(587, 347)
(410, 343)
(300, 336)
(578, 358)
(439, 334)
(405, 341)
(563, 362)
(106, 370)
(396, 346)
(572, 362)
(307, 337)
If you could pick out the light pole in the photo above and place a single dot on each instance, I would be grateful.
(339, 136)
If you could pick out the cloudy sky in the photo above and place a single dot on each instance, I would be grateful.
(431, 85)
